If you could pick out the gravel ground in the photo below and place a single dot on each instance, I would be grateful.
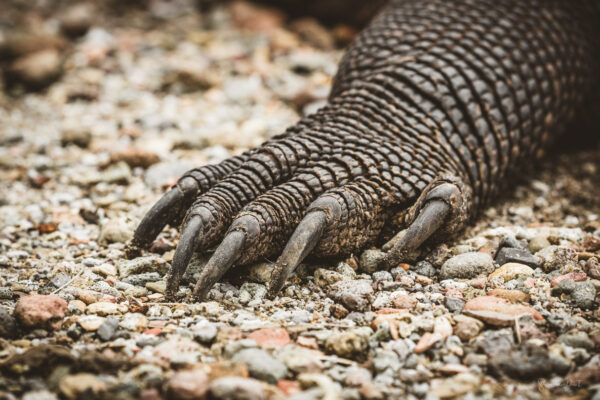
(104, 106)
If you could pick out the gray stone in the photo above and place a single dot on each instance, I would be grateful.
(107, 330)
(142, 264)
(369, 260)
(164, 173)
(425, 268)
(528, 362)
(234, 347)
(235, 388)
(521, 256)
(204, 332)
(261, 365)
(8, 325)
(538, 243)
(454, 304)
(115, 231)
(325, 277)
(561, 322)
(386, 360)
(577, 339)
(59, 280)
(142, 279)
(509, 240)
(6, 293)
(355, 295)
(381, 276)
(581, 294)
(467, 265)
(557, 258)
(492, 342)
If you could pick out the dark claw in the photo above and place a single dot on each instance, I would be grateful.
(305, 238)
(429, 220)
(188, 243)
(223, 258)
(174, 202)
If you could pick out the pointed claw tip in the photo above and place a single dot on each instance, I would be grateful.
(223, 258)
(303, 241)
(183, 254)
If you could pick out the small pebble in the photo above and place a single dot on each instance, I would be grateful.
(467, 265)
(510, 255)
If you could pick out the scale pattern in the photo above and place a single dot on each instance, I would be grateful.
(472, 89)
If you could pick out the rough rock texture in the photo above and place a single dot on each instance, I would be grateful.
(39, 311)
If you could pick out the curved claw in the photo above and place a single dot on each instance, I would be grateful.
(429, 220)
(305, 238)
(173, 202)
(223, 258)
(183, 254)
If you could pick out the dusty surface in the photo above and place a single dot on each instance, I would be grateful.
(128, 99)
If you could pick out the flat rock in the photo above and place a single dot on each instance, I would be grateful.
(521, 256)
(355, 295)
(512, 270)
(270, 337)
(467, 265)
(497, 311)
(74, 386)
(514, 296)
(142, 265)
(261, 365)
(104, 308)
(236, 388)
(134, 322)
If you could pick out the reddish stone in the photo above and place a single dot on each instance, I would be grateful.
(188, 385)
(423, 280)
(585, 376)
(514, 296)
(529, 283)
(287, 387)
(405, 301)
(575, 276)
(404, 266)
(153, 331)
(478, 283)
(385, 311)
(228, 334)
(150, 394)
(454, 292)
(246, 15)
(406, 281)
(307, 341)
(427, 340)
(270, 337)
(591, 243)
(497, 311)
(40, 311)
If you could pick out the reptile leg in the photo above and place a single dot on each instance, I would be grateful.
(441, 210)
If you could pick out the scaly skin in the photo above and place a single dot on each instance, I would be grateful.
(433, 106)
